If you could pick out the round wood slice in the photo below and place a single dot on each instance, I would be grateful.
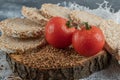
(57, 64)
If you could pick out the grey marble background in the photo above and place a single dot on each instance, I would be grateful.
(11, 8)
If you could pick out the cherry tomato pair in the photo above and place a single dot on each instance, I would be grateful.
(87, 41)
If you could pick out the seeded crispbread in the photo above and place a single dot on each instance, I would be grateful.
(79, 17)
(34, 15)
(53, 10)
(15, 45)
(21, 28)
(112, 36)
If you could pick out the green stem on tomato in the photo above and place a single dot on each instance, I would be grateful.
(87, 26)
(69, 24)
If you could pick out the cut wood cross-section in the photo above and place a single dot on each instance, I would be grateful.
(57, 64)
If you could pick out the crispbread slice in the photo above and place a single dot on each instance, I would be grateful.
(15, 45)
(111, 31)
(53, 10)
(57, 64)
(79, 17)
(21, 28)
(34, 15)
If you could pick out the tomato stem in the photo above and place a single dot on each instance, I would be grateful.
(69, 23)
(87, 26)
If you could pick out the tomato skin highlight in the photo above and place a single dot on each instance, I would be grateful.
(88, 42)
(57, 33)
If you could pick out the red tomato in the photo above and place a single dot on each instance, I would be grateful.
(57, 33)
(87, 42)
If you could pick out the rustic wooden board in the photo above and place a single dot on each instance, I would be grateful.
(73, 73)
